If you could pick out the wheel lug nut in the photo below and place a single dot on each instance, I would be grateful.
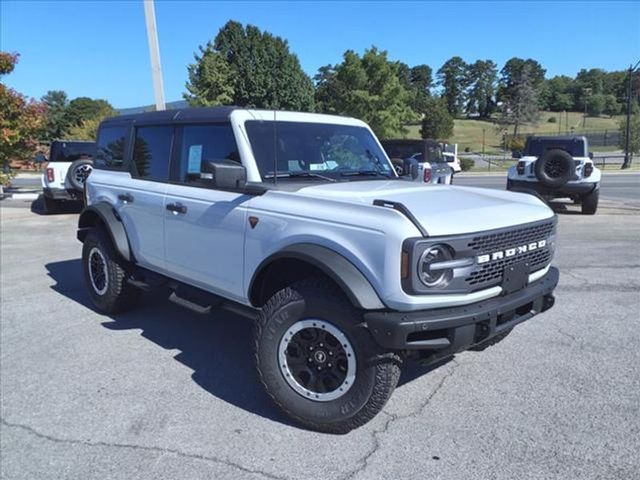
(331, 354)
(321, 345)
(329, 365)
(309, 360)
(319, 367)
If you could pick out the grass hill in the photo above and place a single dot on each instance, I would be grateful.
(467, 133)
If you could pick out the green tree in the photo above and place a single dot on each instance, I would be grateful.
(22, 120)
(260, 72)
(84, 116)
(596, 104)
(57, 120)
(210, 80)
(437, 123)
(452, 77)
(367, 88)
(634, 133)
(611, 105)
(481, 80)
(520, 96)
(82, 109)
(559, 93)
(420, 83)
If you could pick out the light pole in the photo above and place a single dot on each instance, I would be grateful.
(586, 93)
(627, 154)
(154, 53)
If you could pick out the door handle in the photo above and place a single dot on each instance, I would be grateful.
(126, 197)
(176, 208)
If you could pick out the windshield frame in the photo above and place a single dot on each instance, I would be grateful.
(355, 140)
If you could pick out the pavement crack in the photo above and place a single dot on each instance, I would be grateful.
(160, 450)
(392, 418)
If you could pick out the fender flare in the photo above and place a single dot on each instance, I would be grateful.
(103, 213)
(346, 275)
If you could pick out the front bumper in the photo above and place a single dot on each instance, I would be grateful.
(61, 194)
(446, 331)
(566, 190)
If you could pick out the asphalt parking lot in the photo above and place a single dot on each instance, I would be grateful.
(163, 393)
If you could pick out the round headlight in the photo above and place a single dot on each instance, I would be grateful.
(435, 277)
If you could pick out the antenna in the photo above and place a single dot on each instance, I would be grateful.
(275, 151)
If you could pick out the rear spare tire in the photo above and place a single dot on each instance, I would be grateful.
(317, 363)
(78, 173)
(554, 168)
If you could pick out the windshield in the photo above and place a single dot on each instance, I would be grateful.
(414, 149)
(71, 151)
(315, 150)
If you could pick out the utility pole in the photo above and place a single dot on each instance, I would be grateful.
(154, 53)
(627, 139)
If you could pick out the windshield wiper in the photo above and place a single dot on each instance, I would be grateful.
(299, 175)
(370, 173)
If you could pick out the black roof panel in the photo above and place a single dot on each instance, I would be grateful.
(181, 115)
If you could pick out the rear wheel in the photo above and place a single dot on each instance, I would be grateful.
(590, 202)
(105, 274)
(317, 364)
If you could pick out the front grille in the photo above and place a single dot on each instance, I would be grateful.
(482, 244)
(491, 273)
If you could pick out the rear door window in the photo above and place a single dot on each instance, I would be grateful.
(111, 148)
(72, 151)
(152, 152)
(205, 143)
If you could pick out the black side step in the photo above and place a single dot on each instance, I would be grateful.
(402, 208)
(188, 304)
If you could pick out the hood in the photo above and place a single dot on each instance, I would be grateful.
(441, 209)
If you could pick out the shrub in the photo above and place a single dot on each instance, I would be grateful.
(516, 144)
(552, 120)
(466, 164)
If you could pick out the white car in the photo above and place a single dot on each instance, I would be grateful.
(557, 167)
(450, 152)
(299, 222)
(69, 165)
(420, 160)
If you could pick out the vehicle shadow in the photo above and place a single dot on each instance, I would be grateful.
(216, 347)
(37, 206)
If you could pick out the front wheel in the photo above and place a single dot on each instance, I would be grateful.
(317, 364)
(105, 274)
(590, 202)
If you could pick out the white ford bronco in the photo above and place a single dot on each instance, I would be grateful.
(69, 165)
(557, 167)
(300, 222)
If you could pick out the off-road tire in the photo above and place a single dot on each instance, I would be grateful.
(377, 371)
(590, 202)
(119, 295)
(399, 166)
(554, 168)
(49, 205)
(71, 173)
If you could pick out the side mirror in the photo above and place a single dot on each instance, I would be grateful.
(224, 174)
(591, 155)
(411, 168)
(516, 154)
